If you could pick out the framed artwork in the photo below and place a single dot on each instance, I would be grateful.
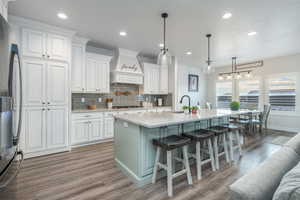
(193, 83)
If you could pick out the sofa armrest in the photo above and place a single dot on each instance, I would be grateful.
(261, 182)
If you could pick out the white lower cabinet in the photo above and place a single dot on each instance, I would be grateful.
(45, 129)
(34, 129)
(87, 128)
(109, 127)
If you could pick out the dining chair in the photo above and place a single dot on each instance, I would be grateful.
(209, 105)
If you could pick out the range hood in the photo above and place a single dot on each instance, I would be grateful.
(126, 68)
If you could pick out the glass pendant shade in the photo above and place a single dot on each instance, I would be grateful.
(164, 58)
(208, 69)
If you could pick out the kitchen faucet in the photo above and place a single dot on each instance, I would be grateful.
(187, 96)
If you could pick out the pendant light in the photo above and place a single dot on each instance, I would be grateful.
(164, 57)
(208, 69)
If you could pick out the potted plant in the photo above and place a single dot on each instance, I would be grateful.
(109, 102)
(185, 109)
(235, 105)
(194, 109)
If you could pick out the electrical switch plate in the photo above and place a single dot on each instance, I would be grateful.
(82, 100)
(99, 100)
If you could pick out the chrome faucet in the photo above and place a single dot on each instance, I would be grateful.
(187, 96)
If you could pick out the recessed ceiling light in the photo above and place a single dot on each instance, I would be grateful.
(123, 33)
(252, 33)
(227, 15)
(62, 15)
(188, 53)
(161, 45)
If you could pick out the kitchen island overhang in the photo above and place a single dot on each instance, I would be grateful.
(134, 152)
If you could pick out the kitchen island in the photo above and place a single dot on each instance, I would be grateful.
(133, 135)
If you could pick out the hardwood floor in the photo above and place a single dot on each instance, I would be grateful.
(89, 173)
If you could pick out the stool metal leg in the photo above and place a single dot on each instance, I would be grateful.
(169, 173)
(156, 164)
(231, 146)
(211, 154)
(225, 148)
(237, 134)
(198, 161)
(216, 149)
(187, 165)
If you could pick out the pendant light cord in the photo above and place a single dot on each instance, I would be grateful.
(208, 49)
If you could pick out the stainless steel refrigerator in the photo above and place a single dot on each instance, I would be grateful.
(10, 107)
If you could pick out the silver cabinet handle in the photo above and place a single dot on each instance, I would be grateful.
(48, 56)
(43, 109)
(43, 103)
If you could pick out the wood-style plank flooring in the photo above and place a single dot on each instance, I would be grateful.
(89, 173)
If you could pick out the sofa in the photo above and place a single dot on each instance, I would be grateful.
(262, 182)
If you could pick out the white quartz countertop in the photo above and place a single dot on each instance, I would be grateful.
(155, 120)
(117, 109)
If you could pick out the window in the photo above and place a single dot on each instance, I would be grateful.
(282, 92)
(249, 94)
(224, 94)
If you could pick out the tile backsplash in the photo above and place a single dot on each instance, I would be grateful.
(122, 95)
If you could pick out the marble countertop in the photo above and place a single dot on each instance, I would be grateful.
(117, 109)
(155, 120)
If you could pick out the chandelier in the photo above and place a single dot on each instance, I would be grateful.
(240, 71)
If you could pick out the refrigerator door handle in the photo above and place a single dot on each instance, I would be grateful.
(15, 52)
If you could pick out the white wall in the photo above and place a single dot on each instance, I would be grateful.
(288, 121)
(183, 72)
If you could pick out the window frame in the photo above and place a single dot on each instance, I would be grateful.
(232, 91)
(260, 89)
(267, 91)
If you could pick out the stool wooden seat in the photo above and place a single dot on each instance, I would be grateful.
(168, 144)
(200, 137)
(171, 142)
(220, 132)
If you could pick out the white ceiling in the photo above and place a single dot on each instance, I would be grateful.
(276, 22)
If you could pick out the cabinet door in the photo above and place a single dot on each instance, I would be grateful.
(147, 78)
(155, 80)
(164, 80)
(96, 129)
(33, 43)
(80, 131)
(34, 82)
(56, 127)
(34, 122)
(78, 68)
(57, 84)
(103, 80)
(57, 47)
(109, 127)
(91, 75)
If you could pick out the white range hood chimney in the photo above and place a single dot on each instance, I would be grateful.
(126, 68)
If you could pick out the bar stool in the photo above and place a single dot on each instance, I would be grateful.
(200, 137)
(168, 144)
(234, 130)
(220, 133)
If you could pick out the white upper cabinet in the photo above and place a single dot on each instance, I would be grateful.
(57, 47)
(78, 68)
(155, 79)
(97, 73)
(57, 85)
(164, 80)
(34, 82)
(45, 83)
(45, 45)
(56, 127)
(34, 43)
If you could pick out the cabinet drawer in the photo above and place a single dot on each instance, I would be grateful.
(87, 116)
